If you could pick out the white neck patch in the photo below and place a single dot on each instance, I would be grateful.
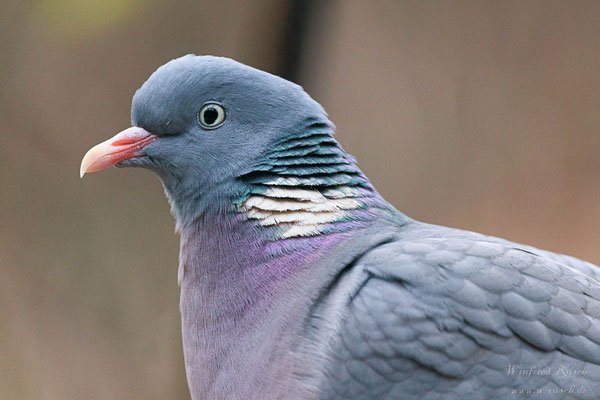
(300, 212)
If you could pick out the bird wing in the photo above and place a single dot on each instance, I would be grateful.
(572, 262)
(467, 318)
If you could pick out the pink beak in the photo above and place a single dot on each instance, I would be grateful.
(123, 146)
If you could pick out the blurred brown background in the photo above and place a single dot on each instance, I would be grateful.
(481, 115)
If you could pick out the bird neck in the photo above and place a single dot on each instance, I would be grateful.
(303, 195)
(307, 185)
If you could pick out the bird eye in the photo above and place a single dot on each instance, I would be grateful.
(211, 115)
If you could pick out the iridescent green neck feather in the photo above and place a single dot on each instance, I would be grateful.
(307, 185)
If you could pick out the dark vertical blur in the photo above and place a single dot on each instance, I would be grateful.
(299, 21)
(482, 115)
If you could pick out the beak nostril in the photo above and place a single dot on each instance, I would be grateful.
(128, 141)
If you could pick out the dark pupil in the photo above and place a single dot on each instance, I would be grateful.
(210, 116)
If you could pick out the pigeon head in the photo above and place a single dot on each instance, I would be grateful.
(201, 123)
(227, 138)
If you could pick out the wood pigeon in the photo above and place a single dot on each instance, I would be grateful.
(299, 281)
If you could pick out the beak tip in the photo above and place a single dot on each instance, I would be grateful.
(83, 167)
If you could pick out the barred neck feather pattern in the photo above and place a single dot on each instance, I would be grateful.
(307, 185)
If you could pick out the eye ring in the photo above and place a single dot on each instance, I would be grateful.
(211, 115)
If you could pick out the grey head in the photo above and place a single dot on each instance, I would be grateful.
(212, 119)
